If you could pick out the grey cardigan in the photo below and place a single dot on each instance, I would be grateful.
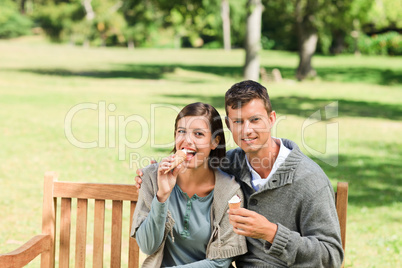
(299, 198)
(224, 243)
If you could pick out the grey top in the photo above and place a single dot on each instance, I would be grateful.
(223, 242)
(299, 198)
(191, 232)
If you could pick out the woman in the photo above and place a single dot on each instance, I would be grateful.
(180, 218)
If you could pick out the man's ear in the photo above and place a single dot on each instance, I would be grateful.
(272, 118)
(227, 123)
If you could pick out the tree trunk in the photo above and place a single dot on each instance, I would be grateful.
(225, 11)
(253, 40)
(130, 44)
(88, 9)
(308, 37)
(308, 44)
(90, 15)
(338, 42)
(22, 6)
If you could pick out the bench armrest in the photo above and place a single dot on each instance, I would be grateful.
(26, 253)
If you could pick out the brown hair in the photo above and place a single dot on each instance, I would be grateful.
(243, 92)
(215, 124)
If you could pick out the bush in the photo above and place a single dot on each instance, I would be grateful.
(389, 43)
(213, 45)
(12, 23)
(267, 43)
(58, 21)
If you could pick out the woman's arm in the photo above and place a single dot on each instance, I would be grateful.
(154, 224)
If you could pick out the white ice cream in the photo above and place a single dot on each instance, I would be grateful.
(235, 199)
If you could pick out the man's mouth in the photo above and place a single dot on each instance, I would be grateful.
(247, 140)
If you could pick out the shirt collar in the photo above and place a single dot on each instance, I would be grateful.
(282, 154)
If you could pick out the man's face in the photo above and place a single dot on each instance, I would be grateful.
(251, 126)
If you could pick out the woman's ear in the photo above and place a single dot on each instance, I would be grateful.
(215, 142)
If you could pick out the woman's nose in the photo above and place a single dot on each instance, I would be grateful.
(189, 138)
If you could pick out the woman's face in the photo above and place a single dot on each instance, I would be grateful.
(193, 133)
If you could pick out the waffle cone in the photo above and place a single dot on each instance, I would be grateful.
(180, 156)
(234, 205)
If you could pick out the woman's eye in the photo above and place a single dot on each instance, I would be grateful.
(181, 131)
(237, 121)
(199, 134)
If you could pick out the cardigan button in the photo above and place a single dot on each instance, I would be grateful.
(253, 202)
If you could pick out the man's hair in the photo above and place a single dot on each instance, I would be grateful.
(242, 93)
(215, 123)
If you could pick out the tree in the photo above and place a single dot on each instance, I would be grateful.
(225, 14)
(12, 23)
(253, 40)
(307, 35)
(344, 23)
(385, 15)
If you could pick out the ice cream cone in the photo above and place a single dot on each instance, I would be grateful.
(180, 156)
(234, 202)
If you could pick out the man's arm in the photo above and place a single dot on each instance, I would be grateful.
(317, 244)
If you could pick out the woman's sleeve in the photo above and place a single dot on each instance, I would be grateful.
(149, 235)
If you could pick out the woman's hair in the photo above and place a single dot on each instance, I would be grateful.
(215, 124)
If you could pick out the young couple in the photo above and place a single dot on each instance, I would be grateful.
(288, 219)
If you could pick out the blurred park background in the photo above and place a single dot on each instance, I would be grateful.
(90, 89)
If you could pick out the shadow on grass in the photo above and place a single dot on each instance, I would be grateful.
(349, 75)
(135, 71)
(156, 71)
(296, 106)
(372, 182)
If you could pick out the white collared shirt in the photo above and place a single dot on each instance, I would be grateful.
(256, 179)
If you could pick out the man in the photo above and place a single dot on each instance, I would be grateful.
(289, 218)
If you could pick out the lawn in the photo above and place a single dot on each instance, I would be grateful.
(97, 114)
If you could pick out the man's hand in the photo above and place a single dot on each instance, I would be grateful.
(249, 223)
(138, 179)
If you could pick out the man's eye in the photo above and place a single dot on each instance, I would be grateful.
(181, 131)
(255, 119)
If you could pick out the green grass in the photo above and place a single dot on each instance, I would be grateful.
(40, 83)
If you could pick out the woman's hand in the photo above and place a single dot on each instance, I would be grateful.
(166, 182)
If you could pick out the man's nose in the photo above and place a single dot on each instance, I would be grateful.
(246, 128)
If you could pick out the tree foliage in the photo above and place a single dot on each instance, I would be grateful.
(385, 14)
(198, 23)
(331, 19)
(12, 23)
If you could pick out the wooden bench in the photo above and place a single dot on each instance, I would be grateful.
(45, 243)
(341, 201)
(53, 190)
